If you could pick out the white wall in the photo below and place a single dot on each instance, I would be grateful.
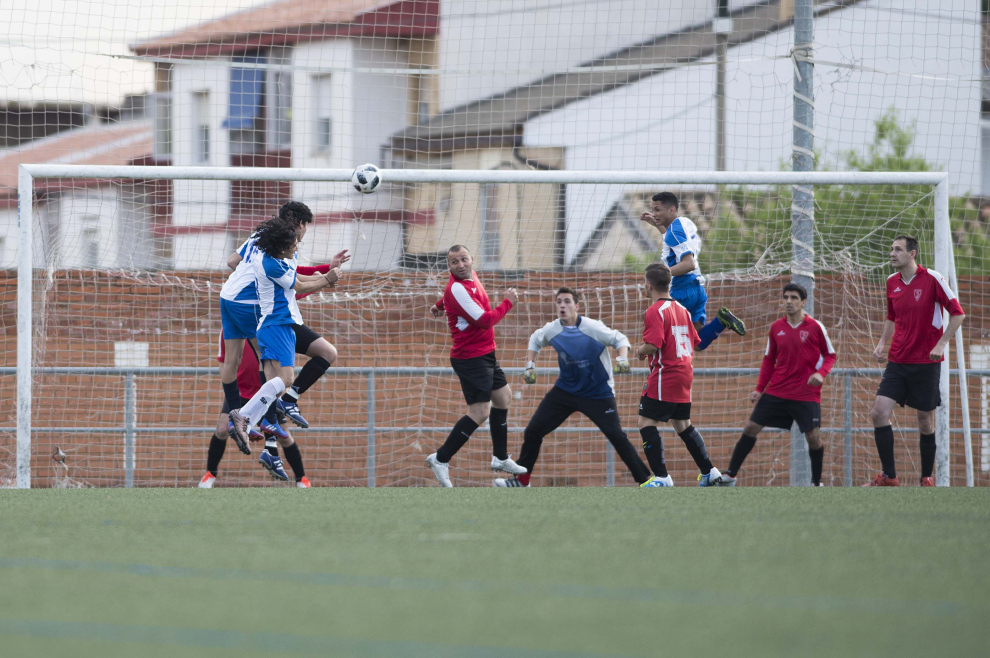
(374, 246)
(504, 43)
(667, 121)
(8, 232)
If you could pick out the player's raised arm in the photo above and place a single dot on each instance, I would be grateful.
(537, 341)
(478, 316)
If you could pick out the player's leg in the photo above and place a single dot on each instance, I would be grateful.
(893, 390)
(554, 409)
(475, 376)
(605, 415)
(681, 420)
(278, 355)
(816, 452)
(695, 300)
(651, 414)
(741, 450)
(807, 414)
(218, 444)
(239, 322)
(321, 356)
(923, 396)
(498, 424)
(926, 428)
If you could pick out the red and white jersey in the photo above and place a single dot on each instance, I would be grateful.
(793, 355)
(470, 317)
(668, 326)
(915, 308)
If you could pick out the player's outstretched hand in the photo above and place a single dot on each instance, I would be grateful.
(754, 397)
(621, 366)
(511, 295)
(815, 380)
(435, 311)
(333, 276)
(340, 259)
(529, 375)
(880, 355)
(648, 218)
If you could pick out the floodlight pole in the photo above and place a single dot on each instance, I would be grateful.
(803, 202)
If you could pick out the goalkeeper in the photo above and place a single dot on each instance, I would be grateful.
(585, 384)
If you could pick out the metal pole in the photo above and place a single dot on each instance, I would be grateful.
(25, 254)
(609, 465)
(847, 428)
(371, 429)
(963, 383)
(130, 416)
(722, 26)
(803, 203)
(943, 240)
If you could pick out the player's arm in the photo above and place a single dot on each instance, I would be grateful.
(955, 321)
(614, 339)
(437, 308)
(766, 369)
(477, 316)
(305, 285)
(888, 332)
(537, 342)
(828, 356)
(945, 297)
(234, 260)
(652, 336)
(684, 265)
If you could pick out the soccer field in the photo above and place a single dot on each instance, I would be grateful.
(484, 572)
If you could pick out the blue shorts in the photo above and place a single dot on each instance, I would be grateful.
(238, 320)
(693, 298)
(278, 343)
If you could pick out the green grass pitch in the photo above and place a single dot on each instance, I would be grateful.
(485, 572)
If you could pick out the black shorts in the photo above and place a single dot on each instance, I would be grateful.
(224, 409)
(772, 411)
(479, 377)
(664, 411)
(912, 384)
(304, 337)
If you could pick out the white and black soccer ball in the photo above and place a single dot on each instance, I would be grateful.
(367, 178)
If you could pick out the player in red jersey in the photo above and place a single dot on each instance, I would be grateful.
(669, 339)
(472, 355)
(789, 389)
(916, 298)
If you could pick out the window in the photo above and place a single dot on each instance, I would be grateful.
(201, 127)
(161, 114)
(89, 241)
(244, 112)
(324, 124)
(279, 92)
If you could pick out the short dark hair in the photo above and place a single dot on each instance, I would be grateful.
(666, 198)
(910, 243)
(658, 276)
(564, 290)
(457, 247)
(796, 287)
(275, 236)
(295, 212)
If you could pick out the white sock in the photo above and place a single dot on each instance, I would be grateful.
(260, 401)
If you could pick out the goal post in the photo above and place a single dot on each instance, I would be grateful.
(398, 179)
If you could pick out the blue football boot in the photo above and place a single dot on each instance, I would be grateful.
(711, 479)
(272, 429)
(291, 411)
(273, 465)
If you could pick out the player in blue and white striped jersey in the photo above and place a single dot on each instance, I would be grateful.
(585, 384)
(681, 249)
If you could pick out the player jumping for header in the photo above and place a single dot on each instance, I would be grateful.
(585, 384)
(681, 248)
(472, 355)
(915, 300)
(789, 389)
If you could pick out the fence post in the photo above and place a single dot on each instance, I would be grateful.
(609, 465)
(371, 428)
(130, 411)
(847, 426)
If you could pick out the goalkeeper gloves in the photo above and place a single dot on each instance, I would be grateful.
(529, 376)
(621, 366)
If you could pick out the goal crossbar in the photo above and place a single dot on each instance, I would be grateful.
(28, 173)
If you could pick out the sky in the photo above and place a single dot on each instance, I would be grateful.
(76, 50)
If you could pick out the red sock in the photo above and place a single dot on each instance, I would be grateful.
(524, 478)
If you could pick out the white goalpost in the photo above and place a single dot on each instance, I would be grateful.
(566, 254)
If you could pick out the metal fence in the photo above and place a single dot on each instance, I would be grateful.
(130, 429)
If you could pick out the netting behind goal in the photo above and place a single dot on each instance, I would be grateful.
(127, 284)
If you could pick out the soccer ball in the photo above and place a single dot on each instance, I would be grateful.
(366, 178)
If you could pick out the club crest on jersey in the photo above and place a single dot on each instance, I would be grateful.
(917, 294)
(804, 336)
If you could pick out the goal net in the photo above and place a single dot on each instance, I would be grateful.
(125, 315)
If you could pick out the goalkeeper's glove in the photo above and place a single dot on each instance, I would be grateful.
(621, 366)
(529, 376)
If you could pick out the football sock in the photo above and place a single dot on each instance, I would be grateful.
(696, 446)
(709, 333)
(310, 372)
(524, 478)
(884, 437)
(457, 438)
(215, 454)
(232, 394)
(653, 447)
(260, 401)
(295, 461)
(743, 446)
(270, 414)
(927, 455)
(272, 447)
(817, 456)
(498, 423)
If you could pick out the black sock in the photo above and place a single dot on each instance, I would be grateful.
(696, 446)
(457, 438)
(232, 394)
(743, 446)
(498, 422)
(215, 454)
(817, 457)
(884, 437)
(272, 448)
(653, 447)
(295, 461)
(271, 415)
(927, 455)
(310, 372)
